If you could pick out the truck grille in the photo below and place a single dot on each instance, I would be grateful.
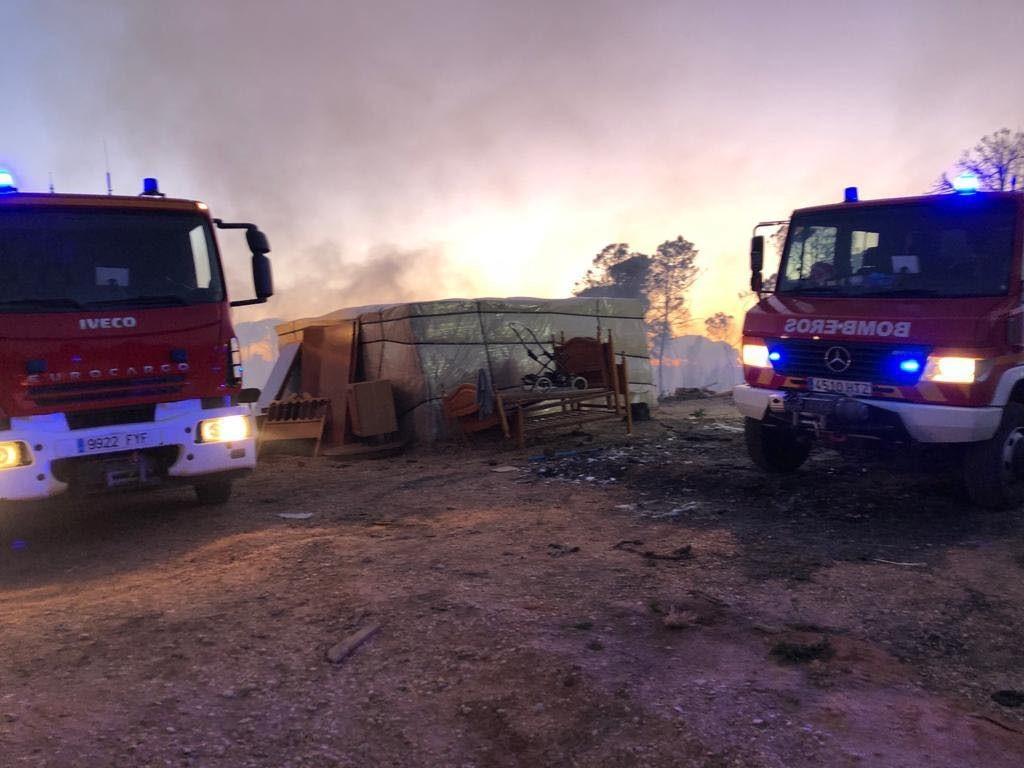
(101, 391)
(877, 363)
(108, 417)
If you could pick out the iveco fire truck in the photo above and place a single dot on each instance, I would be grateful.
(894, 322)
(118, 363)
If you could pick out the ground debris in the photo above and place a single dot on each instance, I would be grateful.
(801, 653)
(560, 550)
(684, 552)
(894, 562)
(1009, 698)
(679, 553)
(338, 652)
(996, 722)
(680, 618)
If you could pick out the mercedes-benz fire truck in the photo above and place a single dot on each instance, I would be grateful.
(896, 322)
(118, 363)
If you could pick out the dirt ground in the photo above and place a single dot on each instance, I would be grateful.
(652, 601)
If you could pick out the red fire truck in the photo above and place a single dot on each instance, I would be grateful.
(118, 363)
(894, 322)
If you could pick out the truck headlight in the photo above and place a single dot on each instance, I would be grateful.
(224, 429)
(953, 370)
(14, 454)
(756, 356)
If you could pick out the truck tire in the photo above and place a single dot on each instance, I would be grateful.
(775, 449)
(994, 469)
(213, 494)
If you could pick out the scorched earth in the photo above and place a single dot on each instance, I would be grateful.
(652, 601)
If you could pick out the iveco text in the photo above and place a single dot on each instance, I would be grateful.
(92, 323)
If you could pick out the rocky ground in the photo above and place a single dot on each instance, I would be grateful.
(594, 600)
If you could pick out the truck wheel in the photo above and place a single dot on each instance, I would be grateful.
(994, 469)
(212, 494)
(775, 449)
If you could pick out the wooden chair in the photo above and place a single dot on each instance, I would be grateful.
(462, 412)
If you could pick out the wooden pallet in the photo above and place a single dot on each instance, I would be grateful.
(299, 417)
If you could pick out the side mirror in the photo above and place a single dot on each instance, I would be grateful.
(262, 276)
(257, 241)
(757, 253)
(756, 262)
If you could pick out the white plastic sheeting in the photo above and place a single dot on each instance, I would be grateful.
(428, 349)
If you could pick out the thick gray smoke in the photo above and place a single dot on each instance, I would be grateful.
(386, 274)
(327, 122)
(498, 145)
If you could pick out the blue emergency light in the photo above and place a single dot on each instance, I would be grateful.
(775, 356)
(910, 365)
(7, 183)
(966, 183)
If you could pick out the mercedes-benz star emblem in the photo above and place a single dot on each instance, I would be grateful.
(837, 359)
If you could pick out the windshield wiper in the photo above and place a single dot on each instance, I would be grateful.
(901, 293)
(810, 290)
(168, 298)
(61, 302)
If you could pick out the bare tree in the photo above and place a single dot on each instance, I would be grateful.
(718, 327)
(778, 240)
(997, 160)
(617, 272)
(672, 273)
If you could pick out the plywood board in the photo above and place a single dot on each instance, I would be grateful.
(328, 368)
(372, 408)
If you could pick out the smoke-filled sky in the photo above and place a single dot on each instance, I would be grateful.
(397, 150)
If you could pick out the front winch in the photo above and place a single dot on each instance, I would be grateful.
(829, 412)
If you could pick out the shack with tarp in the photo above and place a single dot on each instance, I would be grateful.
(429, 349)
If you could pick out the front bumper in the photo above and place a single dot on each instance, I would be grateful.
(923, 423)
(171, 453)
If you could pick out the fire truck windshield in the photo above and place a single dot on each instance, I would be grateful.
(62, 259)
(950, 246)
